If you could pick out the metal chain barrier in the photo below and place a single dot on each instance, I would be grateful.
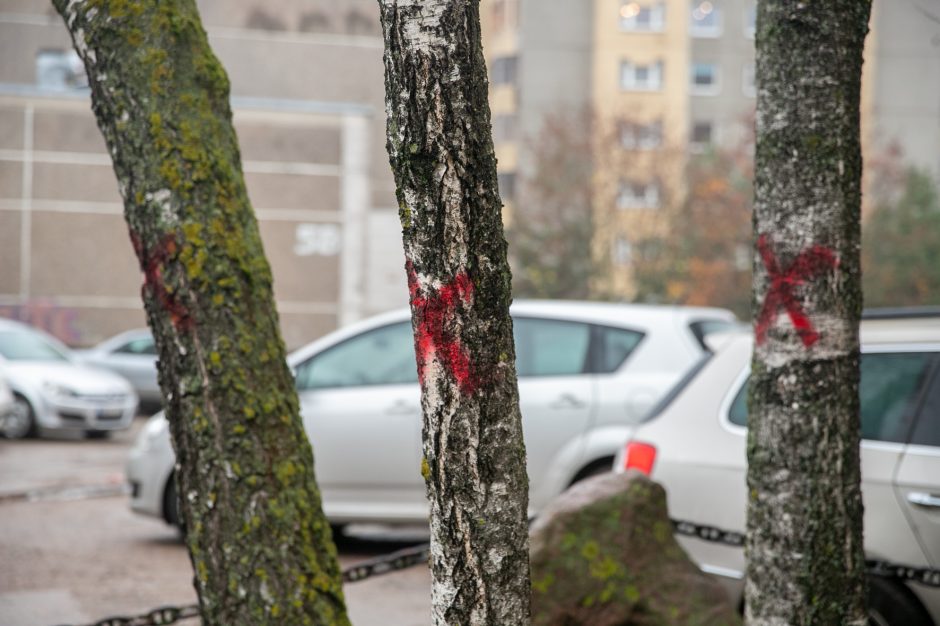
(875, 567)
(409, 557)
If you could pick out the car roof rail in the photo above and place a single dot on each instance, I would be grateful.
(904, 312)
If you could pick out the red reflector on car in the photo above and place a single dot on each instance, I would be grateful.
(640, 456)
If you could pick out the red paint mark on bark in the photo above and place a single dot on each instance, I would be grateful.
(433, 313)
(151, 263)
(808, 264)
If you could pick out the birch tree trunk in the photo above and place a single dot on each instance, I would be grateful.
(258, 540)
(441, 151)
(805, 553)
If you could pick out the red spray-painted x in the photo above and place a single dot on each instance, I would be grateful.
(433, 313)
(151, 262)
(806, 265)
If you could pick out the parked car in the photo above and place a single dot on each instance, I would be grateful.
(695, 446)
(586, 370)
(133, 355)
(6, 399)
(53, 392)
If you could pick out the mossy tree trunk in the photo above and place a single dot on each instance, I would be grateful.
(258, 540)
(441, 152)
(805, 553)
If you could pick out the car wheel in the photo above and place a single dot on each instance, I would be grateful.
(171, 504)
(97, 434)
(892, 604)
(20, 422)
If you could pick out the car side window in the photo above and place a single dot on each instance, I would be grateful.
(550, 347)
(384, 356)
(614, 346)
(143, 345)
(927, 429)
(890, 387)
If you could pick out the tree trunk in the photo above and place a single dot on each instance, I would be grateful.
(256, 534)
(805, 553)
(441, 152)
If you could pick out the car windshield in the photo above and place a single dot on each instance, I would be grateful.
(19, 345)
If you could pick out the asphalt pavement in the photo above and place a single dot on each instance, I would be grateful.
(72, 552)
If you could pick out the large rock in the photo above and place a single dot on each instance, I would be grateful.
(603, 554)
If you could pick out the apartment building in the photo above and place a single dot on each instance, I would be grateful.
(665, 79)
(308, 101)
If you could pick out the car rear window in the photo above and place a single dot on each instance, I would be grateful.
(703, 328)
(891, 386)
(614, 345)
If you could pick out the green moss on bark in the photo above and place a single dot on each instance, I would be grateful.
(258, 540)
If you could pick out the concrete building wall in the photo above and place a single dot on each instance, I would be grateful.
(308, 102)
(727, 108)
(906, 75)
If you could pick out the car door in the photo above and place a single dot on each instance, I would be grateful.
(136, 360)
(918, 476)
(892, 382)
(556, 397)
(361, 408)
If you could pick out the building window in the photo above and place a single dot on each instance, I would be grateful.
(635, 77)
(507, 185)
(504, 71)
(504, 15)
(621, 252)
(639, 18)
(706, 19)
(750, 21)
(60, 69)
(638, 195)
(702, 136)
(705, 79)
(504, 128)
(749, 81)
(637, 136)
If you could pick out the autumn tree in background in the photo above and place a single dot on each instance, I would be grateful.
(552, 227)
(702, 258)
(441, 152)
(901, 245)
(806, 563)
(258, 540)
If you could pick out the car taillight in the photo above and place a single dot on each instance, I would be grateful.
(640, 456)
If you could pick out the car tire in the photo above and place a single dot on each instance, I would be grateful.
(892, 604)
(20, 422)
(97, 434)
(171, 504)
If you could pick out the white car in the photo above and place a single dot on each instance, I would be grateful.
(586, 371)
(53, 392)
(133, 355)
(695, 446)
(6, 398)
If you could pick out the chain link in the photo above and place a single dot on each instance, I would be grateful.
(876, 567)
(409, 557)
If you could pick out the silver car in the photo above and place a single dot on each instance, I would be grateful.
(695, 446)
(586, 371)
(133, 355)
(53, 392)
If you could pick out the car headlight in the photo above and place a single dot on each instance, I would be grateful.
(55, 390)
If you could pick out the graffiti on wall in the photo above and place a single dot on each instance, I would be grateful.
(45, 314)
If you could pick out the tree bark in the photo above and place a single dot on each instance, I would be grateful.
(441, 153)
(805, 552)
(258, 540)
